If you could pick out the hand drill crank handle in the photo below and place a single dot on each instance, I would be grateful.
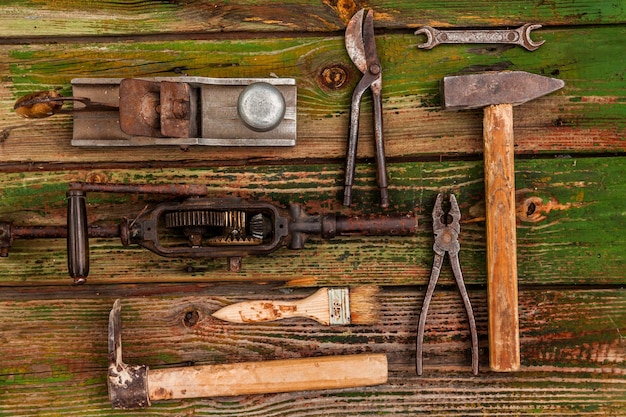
(77, 237)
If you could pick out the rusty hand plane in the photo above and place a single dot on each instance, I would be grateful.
(180, 111)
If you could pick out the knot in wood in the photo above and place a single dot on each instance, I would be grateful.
(96, 177)
(531, 210)
(191, 318)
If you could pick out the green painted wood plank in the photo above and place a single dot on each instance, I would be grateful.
(72, 17)
(573, 358)
(570, 234)
(570, 216)
(586, 116)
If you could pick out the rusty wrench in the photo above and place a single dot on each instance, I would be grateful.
(519, 36)
(446, 227)
(361, 48)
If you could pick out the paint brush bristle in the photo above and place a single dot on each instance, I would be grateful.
(364, 304)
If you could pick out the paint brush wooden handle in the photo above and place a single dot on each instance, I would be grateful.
(288, 375)
(504, 345)
(314, 307)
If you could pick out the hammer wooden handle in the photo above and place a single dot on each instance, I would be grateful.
(268, 377)
(504, 348)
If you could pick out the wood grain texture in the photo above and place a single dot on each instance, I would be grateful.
(586, 116)
(564, 224)
(569, 202)
(59, 18)
(573, 354)
(501, 237)
(268, 377)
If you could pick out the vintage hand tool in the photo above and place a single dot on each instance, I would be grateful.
(519, 36)
(446, 227)
(178, 111)
(497, 93)
(136, 386)
(328, 306)
(361, 48)
(210, 227)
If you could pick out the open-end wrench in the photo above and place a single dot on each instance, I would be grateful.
(519, 36)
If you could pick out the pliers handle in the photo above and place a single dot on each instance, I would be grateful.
(361, 48)
(446, 227)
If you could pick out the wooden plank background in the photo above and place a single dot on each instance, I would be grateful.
(570, 167)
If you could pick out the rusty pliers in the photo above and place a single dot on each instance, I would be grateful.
(446, 227)
(361, 48)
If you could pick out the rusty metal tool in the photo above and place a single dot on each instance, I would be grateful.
(188, 110)
(234, 228)
(519, 36)
(136, 386)
(78, 227)
(361, 48)
(497, 93)
(446, 228)
(200, 227)
(179, 111)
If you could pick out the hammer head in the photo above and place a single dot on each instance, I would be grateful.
(128, 385)
(481, 90)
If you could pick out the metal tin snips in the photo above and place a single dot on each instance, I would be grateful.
(446, 227)
(361, 48)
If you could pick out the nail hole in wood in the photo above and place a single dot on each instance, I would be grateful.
(191, 318)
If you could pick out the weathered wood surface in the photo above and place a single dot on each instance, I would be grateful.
(49, 17)
(586, 116)
(569, 186)
(564, 224)
(571, 345)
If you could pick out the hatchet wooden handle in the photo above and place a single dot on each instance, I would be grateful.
(286, 375)
(504, 348)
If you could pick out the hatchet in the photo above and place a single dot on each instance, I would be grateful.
(136, 386)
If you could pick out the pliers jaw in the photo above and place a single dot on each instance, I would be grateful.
(446, 226)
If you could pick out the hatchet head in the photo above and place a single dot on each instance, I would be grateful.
(508, 87)
(128, 384)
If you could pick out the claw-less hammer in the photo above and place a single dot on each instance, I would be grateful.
(497, 93)
(136, 386)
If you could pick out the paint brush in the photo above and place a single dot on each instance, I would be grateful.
(329, 306)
